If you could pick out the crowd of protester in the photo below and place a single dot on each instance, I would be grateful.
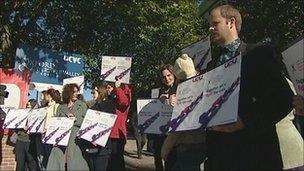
(263, 138)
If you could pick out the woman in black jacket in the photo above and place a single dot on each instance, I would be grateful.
(98, 156)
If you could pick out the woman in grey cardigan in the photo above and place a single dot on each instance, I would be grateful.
(71, 107)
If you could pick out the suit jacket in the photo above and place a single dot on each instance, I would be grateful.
(265, 98)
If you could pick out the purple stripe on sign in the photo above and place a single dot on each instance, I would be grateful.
(121, 75)
(58, 139)
(107, 73)
(207, 116)
(9, 122)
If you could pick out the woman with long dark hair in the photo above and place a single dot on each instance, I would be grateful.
(98, 156)
(167, 91)
(71, 107)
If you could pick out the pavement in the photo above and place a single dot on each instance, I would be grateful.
(133, 163)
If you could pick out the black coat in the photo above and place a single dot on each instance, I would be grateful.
(265, 98)
(107, 106)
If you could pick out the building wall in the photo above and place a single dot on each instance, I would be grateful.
(7, 156)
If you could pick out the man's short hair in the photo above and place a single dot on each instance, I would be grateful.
(228, 12)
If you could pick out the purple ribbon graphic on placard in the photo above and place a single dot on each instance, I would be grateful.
(174, 123)
(207, 116)
(85, 130)
(106, 74)
(200, 64)
(20, 122)
(32, 125)
(121, 75)
(142, 127)
(48, 137)
(100, 134)
(58, 139)
(40, 123)
(9, 122)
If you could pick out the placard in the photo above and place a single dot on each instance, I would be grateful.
(208, 100)
(96, 127)
(16, 118)
(36, 120)
(200, 52)
(293, 57)
(59, 131)
(153, 115)
(115, 68)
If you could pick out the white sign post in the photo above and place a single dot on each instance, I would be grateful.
(200, 52)
(208, 100)
(16, 118)
(36, 120)
(59, 131)
(96, 127)
(115, 68)
(153, 115)
(293, 57)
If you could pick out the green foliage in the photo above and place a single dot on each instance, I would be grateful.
(280, 20)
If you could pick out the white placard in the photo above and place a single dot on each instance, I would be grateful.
(293, 57)
(43, 86)
(153, 115)
(59, 131)
(200, 52)
(155, 93)
(36, 120)
(79, 80)
(208, 100)
(115, 68)
(96, 127)
(16, 118)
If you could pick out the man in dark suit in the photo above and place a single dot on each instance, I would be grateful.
(265, 98)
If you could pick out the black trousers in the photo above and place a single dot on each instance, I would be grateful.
(158, 142)
(97, 157)
(117, 161)
(47, 148)
(23, 156)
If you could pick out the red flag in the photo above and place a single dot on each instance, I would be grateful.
(17, 83)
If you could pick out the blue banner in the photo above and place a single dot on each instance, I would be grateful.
(48, 66)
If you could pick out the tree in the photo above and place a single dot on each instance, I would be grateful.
(152, 32)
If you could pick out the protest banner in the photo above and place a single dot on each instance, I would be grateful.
(155, 93)
(36, 120)
(59, 131)
(200, 52)
(293, 57)
(208, 100)
(48, 67)
(115, 68)
(79, 80)
(96, 127)
(153, 115)
(16, 118)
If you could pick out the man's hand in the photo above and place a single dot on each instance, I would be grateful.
(298, 103)
(173, 100)
(163, 97)
(117, 83)
(229, 127)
